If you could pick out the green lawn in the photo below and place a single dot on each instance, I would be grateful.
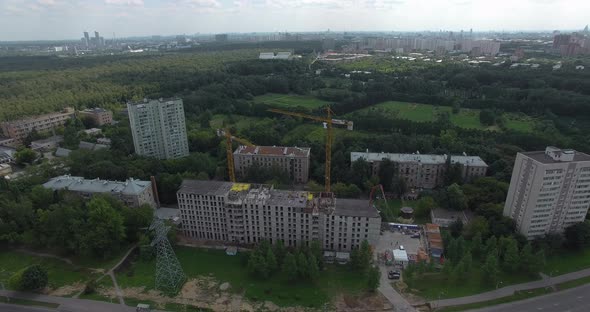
(466, 118)
(239, 121)
(59, 272)
(204, 262)
(567, 261)
(434, 286)
(520, 295)
(290, 100)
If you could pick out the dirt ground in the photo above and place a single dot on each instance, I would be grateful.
(374, 302)
(66, 290)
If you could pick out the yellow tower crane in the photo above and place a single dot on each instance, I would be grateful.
(328, 123)
(229, 150)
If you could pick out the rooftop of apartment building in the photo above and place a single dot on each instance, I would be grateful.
(430, 159)
(95, 110)
(160, 100)
(307, 201)
(552, 155)
(67, 110)
(79, 184)
(273, 151)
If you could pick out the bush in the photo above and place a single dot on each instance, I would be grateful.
(33, 277)
(90, 287)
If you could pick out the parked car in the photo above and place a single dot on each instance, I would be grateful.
(415, 235)
(393, 274)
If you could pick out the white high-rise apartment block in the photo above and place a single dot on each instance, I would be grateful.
(158, 128)
(549, 191)
(241, 213)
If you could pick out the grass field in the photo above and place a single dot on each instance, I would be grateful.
(466, 118)
(204, 262)
(434, 286)
(26, 302)
(567, 261)
(521, 295)
(59, 272)
(290, 100)
(239, 121)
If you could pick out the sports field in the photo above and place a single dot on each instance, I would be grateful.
(290, 100)
(466, 118)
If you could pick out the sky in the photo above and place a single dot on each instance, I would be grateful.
(67, 19)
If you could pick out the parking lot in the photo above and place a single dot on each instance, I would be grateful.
(389, 240)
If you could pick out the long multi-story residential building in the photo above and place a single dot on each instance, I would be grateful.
(292, 160)
(424, 170)
(132, 192)
(239, 213)
(158, 128)
(549, 191)
(19, 129)
(100, 116)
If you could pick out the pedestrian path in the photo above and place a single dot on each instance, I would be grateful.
(399, 303)
(510, 290)
(69, 304)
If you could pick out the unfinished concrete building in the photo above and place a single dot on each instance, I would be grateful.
(241, 214)
(292, 160)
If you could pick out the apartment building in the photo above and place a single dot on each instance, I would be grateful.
(19, 129)
(424, 170)
(132, 192)
(549, 191)
(292, 160)
(100, 116)
(158, 128)
(240, 213)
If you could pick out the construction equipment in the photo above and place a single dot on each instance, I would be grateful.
(371, 195)
(328, 122)
(229, 150)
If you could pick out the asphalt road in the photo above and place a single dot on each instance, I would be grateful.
(570, 300)
(21, 308)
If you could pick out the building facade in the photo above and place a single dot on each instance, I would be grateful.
(132, 192)
(424, 170)
(158, 128)
(19, 129)
(99, 115)
(292, 160)
(239, 213)
(549, 191)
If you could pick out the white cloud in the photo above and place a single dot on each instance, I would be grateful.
(47, 2)
(125, 2)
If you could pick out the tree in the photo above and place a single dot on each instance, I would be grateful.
(529, 262)
(25, 156)
(424, 206)
(316, 251)
(257, 265)
(290, 267)
(477, 226)
(456, 228)
(136, 219)
(105, 230)
(387, 170)
(314, 270)
(511, 257)
(467, 261)
(491, 246)
(41, 197)
(33, 277)
(302, 265)
(577, 236)
(399, 186)
(280, 251)
(373, 278)
(490, 267)
(456, 197)
(271, 261)
(477, 245)
(205, 118)
(487, 117)
(72, 133)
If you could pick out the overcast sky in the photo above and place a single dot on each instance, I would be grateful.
(67, 19)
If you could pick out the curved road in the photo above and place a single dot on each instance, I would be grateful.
(570, 300)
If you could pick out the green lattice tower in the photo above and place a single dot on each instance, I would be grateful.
(169, 274)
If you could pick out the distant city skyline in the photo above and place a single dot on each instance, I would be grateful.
(68, 19)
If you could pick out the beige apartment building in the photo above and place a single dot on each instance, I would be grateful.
(549, 191)
(293, 160)
(240, 213)
(424, 170)
(19, 129)
(158, 128)
(133, 193)
(100, 116)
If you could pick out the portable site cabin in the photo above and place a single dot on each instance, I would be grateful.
(400, 257)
